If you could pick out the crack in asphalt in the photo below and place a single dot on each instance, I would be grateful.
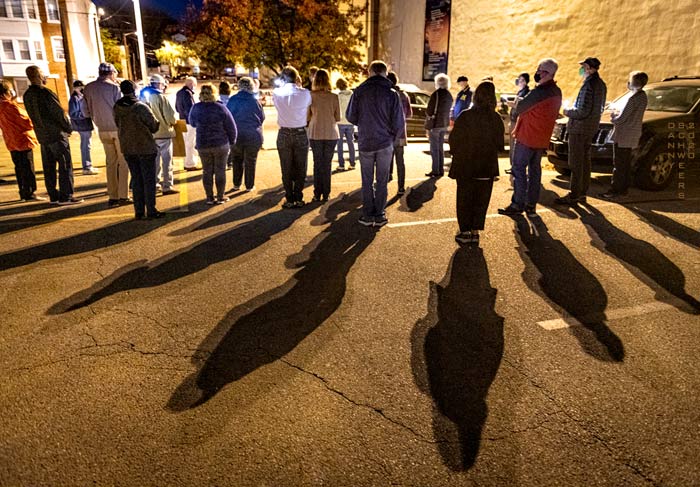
(583, 425)
(374, 409)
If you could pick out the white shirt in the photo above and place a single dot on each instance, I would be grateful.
(292, 104)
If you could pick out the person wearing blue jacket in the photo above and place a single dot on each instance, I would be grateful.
(375, 107)
(216, 134)
(81, 123)
(249, 116)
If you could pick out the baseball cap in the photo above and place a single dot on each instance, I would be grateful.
(106, 68)
(593, 62)
(462, 78)
(156, 78)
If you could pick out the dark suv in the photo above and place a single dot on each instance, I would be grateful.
(670, 133)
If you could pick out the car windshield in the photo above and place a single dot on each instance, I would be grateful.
(672, 98)
(419, 99)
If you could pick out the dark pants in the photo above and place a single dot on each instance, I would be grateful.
(580, 164)
(323, 155)
(293, 150)
(214, 170)
(622, 169)
(527, 176)
(347, 133)
(245, 158)
(52, 154)
(473, 196)
(24, 171)
(143, 178)
(400, 166)
(374, 166)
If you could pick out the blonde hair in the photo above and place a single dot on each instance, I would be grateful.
(322, 81)
(207, 92)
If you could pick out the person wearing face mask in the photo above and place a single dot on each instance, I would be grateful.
(523, 89)
(463, 100)
(52, 127)
(82, 124)
(584, 120)
(627, 130)
(536, 114)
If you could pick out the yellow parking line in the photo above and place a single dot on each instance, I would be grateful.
(184, 197)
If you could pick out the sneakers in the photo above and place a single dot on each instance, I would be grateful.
(124, 201)
(316, 198)
(299, 204)
(221, 200)
(90, 171)
(211, 201)
(340, 168)
(611, 195)
(365, 221)
(236, 188)
(112, 203)
(509, 210)
(463, 238)
(530, 210)
(71, 201)
(33, 197)
(569, 200)
(170, 191)
(156, 215)
(380, 221)
(401, 191)
(248, 190)
(288, 204)
(194, 168)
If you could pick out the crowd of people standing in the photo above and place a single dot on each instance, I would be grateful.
(223, 130)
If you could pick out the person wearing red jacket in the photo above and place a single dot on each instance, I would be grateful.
(536, 114)
(18, 132)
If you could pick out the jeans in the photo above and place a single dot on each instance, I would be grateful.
(293, 150)
(622, 169)
(190, 152)
(473, 196)
(437, 152)
(323, 155)
(348, 132)
(580, 164)
(214, 170)
(117, 169)
(164, 163)
(374, 195)
(143, 177)
(24, 171)
(527, 176)
(52, 154)
(85, 145)
(400, 166)
(245, 158)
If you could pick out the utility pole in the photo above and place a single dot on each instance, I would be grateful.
(67, 43)
(139, 35)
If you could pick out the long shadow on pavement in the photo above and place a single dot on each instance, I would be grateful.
(643, 257)
(271, 325)
(55, 214)
(552, 271)
(456, 352)
(668, 226)
(418, 195)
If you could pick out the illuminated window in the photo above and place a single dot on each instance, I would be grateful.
(57, 48)
(38, 51)
(52, 10)
(8, 50)
(31, 9)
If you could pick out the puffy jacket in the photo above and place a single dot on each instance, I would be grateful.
(584, 118)
(51, 124)
(441, 112)
(376, 110)
(164, 113)
(76, 111)
(536, 115)
(100, 97)
(249, 115)
(136, 124)
(16, 126)
(184, 101)
(475, 141)
(214, 124)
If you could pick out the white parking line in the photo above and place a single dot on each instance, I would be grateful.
(615, 314)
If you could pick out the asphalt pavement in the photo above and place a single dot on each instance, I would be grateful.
(248, 345)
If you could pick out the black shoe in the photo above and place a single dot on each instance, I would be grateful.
(299, 204)
(71, 201)
(509, 210)
(567, 200)
(380, 221)
(508, 171)
(110, 203)
(124, 201)
(431, 175)
(365, 221)
(340, 169)
(530, 210)
(33, 197)
(156, 215)
(316, 198)
(401, 191)
(463, 238)
(324, 198)
(170, 191)
(288, 204)
(475, 239)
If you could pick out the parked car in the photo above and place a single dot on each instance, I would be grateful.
(415, 125)
(670, 131)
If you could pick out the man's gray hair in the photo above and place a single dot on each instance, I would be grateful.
(442, 81)
(549, 64)
(378, 67)
(246, 84)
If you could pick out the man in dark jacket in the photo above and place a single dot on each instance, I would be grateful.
(184, 101)
(136, 125)
(376, 110)
(536, 115)
(52, 128)
(77, 110)
(584, 119)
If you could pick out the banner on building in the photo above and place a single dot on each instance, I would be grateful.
(437, 38)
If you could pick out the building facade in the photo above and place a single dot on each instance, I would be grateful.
(31, 33)
(502, 38)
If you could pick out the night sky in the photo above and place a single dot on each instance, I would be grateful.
(174, 7)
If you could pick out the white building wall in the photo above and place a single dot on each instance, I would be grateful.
(502, 38)
(21, 29)
(87, 44)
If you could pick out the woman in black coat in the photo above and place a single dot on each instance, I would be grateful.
(475, 140)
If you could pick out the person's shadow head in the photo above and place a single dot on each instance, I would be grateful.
(456, 351)
(418, 195)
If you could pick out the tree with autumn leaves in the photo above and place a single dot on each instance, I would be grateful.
(275, 33)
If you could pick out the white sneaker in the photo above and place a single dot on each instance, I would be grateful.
(91, 171)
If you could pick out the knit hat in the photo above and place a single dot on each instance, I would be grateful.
(462, 78)
(127, 87)
(106, 69)
(77, 83)
(156, 78)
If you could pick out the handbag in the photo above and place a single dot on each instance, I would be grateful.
(430, 119)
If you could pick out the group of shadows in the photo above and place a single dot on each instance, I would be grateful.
(457, 347)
